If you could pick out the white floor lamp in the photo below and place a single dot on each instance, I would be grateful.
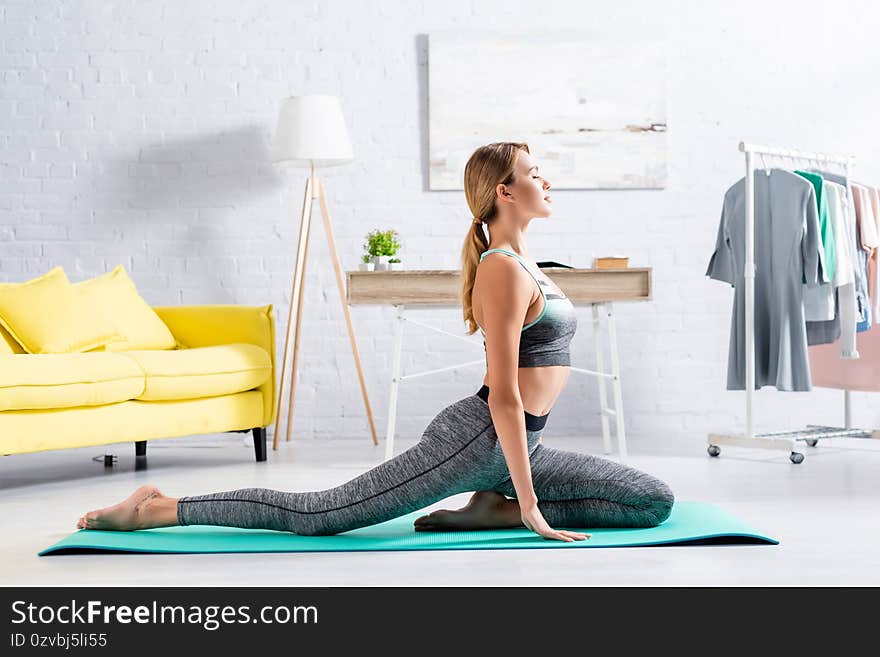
(311, 132)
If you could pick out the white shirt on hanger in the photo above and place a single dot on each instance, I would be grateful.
(874, 196)
(843, 224)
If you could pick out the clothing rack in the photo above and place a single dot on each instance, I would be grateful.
(812, 433)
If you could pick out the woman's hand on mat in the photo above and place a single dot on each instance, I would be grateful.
(534, 520)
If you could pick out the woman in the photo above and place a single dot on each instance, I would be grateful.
(485, 442)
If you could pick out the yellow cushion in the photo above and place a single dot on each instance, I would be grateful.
(213, 324)
(116, 294)
(8, 344)
(202, 371)
(45, 315)
(43, 381)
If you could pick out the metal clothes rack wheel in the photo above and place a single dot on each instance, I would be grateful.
(812, 433)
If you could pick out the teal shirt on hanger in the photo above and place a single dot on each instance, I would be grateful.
(827, 253)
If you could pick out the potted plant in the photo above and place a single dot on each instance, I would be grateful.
(367, 264)
(381, 245)
(394, 263)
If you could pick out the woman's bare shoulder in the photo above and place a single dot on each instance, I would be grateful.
(497, 270)
(501, 281)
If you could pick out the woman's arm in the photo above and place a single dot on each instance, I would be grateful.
(506, 292)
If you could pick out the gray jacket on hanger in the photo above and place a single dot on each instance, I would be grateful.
(787, 243)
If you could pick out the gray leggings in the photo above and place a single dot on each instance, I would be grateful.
(458, 452)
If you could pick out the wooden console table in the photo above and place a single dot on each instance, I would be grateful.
(597, 288)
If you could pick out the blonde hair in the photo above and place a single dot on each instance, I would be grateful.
(487, 166)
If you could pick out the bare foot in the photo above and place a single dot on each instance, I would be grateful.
(485, 510)
(124, 516)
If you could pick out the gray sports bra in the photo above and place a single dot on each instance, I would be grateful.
(545, 340)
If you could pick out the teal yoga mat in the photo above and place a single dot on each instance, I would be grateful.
(690, 523)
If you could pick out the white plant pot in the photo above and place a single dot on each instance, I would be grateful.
(381, 262)
(395, 265)
(366, 266)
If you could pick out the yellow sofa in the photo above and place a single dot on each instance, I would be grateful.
(219, 378)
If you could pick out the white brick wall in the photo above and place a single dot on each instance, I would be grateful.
(138, 132)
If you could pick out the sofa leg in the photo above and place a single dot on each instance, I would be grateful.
(260, 443)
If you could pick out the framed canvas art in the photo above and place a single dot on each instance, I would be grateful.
(592, 109)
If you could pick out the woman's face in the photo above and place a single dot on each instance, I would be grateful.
(530, 190)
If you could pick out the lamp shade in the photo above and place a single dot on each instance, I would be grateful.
(311, 129)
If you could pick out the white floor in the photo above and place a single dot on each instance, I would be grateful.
(825, 512)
